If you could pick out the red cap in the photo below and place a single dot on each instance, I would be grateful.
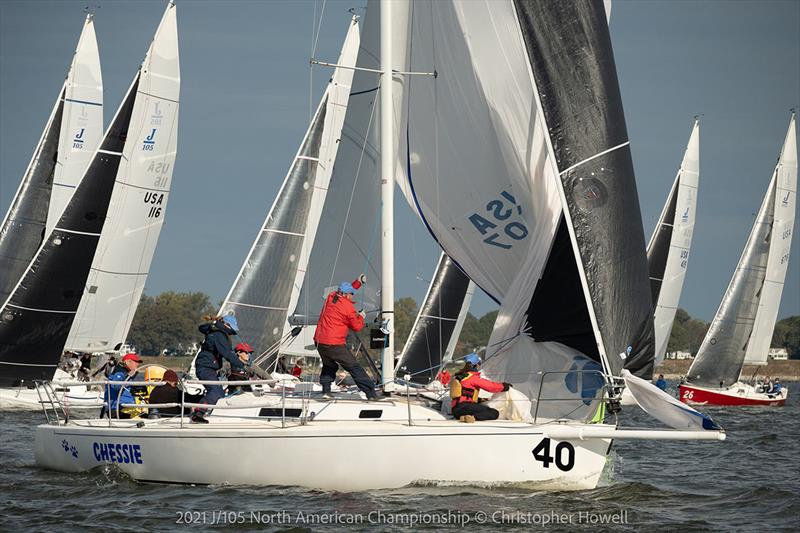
(243, 347)
(131, 357)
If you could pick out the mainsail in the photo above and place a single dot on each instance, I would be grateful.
(438, 324)
(138, 205)
(268, 284)
(523, 131)
(668, 250)
(37, 317)
(746, 317)
(70, 137)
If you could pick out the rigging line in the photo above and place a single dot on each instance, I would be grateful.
(595, 156)
(353, 190)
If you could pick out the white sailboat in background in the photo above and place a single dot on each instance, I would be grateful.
(434, 334)
(405, 437)
(744, 323)
(671, 241)
(129, 174)
(72, 134)
(136, 212)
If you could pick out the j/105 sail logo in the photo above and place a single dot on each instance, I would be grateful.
(155, 118)
(501, 211)
(154, 200)
(150, 142)
(77, 142)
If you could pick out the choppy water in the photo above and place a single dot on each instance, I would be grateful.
(749, 482)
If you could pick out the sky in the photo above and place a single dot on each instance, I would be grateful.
(247, 91)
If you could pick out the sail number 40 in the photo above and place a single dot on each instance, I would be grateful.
(564, 456)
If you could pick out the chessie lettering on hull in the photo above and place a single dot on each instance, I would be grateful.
(118, 453)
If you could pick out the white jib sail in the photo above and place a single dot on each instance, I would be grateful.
(81, 122)
(138, 203)
(687, 181)
(785, 176)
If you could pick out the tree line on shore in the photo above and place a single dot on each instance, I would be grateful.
(169, 321)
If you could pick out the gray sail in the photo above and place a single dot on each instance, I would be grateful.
(721, 355)
(268, 284)
(260, 295)
(24, 226)
(438, 323)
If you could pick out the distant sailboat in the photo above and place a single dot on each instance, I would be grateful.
(137, 209)
(670, 244)
(36, 318)
(438, 324)
(743, 326)
(70, 137)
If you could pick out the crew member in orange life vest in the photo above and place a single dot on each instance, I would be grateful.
(337, 317)
(464, 392)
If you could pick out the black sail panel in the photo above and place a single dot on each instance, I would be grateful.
(582, 107)
(36, 320)
(658, 251)
(436, 323)
(23, 230)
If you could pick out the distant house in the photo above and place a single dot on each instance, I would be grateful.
(778, 354)
(679, 354)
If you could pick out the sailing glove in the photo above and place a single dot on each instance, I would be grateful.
(363, 279)
(506, 386)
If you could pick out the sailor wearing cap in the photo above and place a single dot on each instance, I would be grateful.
(337, 317)
(124, 371)
(216, 347)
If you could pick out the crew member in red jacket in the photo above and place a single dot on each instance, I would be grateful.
(464, 392)
(337, 317)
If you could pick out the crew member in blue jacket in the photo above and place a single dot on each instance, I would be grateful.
(216, 347)
(661, 383)
(124, 371)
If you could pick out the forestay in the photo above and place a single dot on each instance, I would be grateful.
(668, 250)
(513, 134)
(437, 327)
(36, 319)
(70, 137)
(268, 284)
(138, 203)
(347, 242)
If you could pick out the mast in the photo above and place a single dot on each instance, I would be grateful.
(387, 193)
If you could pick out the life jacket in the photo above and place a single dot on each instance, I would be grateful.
(461, 392)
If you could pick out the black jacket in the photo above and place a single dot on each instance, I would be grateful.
(217, 345)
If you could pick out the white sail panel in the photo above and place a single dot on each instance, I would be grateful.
(81, 121)
(138, 203)
(780, 246)
(348, 242)
(479, 173)
(682, 228)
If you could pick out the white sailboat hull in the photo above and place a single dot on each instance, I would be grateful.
(345, 456)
